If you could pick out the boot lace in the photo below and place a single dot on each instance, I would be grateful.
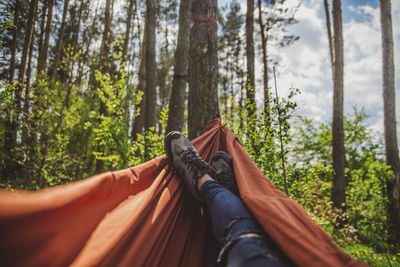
(195, 164)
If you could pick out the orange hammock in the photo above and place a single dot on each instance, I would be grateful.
(141, 217)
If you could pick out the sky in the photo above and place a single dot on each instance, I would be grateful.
(306, 64)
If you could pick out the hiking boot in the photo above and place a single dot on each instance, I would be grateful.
(187, 163)
(223, 165)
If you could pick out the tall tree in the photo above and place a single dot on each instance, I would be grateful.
(203, 66)
(177, 99)
(14, 42)
(229, 57)
(24, 57)
(150, 99)
(131, 9)
(273, 18)
(250, 85)
(329, 31)
(389, 107)
(264, 60)
(57, 56)
(338, 151)
(42, 60)
(138, 123)
(105, 64)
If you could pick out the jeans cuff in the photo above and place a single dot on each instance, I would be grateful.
(225, 249)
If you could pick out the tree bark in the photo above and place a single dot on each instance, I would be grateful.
(328, 29)
(42, 27)
(104, 60)
(15, 31)
(28, 138)
(177, 99)
(27, 41)
(57, 56)
(139, 118)
(150, 99)
(203, 66)
(338, 151)
(132, 4)
(264, 47)
(77, 32)
(250, 90)
(42, 60)
(389, 107)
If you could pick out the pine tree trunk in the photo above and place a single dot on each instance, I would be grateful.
(77, 32)
(203, 66)
(26, 136)
(250, 90)
(139, 118)
(42, 28)
(389, 106)
(10, 133)
(132, 4)
(42, 60)
(15, 31)
(265, 63)
(328, 29)
(177, 99)
(104, 55)
(338, 151)
(150, 99)
(27, 41)
(57, 56)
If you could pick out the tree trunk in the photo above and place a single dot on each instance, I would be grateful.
(28, 77)
(250, 53)
(57, 56)
(104, 55)
(132, 4)
(150, 99)
(41, 27)
(105, 41)
(26, 136)
(14, 42)
(203, 66)
(328, 29)
(42, 60)
(139, 118)
(77, 31)
(338, 151)
(389, 106)
(177, 99)
(265, 63)
(27, 41)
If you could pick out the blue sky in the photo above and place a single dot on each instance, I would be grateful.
(306, 64)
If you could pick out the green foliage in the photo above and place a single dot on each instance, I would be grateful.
(62, 134)
(5, 25)
(6, 94)
(260, 135)
(368, 202)
(367, 174)
(311, 188)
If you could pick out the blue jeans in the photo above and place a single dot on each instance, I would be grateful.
(231, 221)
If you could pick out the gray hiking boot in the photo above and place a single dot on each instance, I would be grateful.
(187, 163)
(223, 165)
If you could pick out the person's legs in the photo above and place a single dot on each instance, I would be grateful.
(240, 237)
(242, 240)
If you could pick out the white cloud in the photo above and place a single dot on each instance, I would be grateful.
(306, 63)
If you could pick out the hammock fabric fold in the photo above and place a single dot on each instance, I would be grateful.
(142, 216)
